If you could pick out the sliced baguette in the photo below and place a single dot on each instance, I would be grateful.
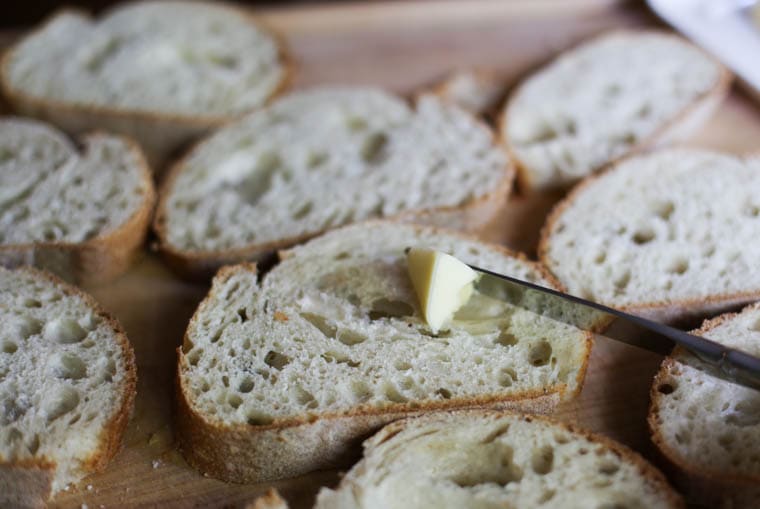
(484, 459)
(288, 375)
(82, 213)
(707, 428)
(161, 72)
(607, 98)
(67, 386)
(323, 158)
(671, 234)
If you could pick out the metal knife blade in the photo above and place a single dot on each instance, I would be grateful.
(729, 364)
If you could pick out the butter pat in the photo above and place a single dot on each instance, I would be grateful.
(443, 284)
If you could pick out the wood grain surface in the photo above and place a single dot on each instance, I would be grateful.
(403, 46)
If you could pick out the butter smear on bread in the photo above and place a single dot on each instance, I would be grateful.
(443, 284)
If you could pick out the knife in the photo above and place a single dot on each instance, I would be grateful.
(729, 364)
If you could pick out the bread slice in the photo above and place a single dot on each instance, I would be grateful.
(80, 211)
(67, 386)
(667, 234)
(605, 99)
(707, 428)
(485, 459)
(322, 158)
(160, 72)
(286, 375)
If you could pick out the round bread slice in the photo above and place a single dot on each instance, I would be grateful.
(160, 72)
(286, 375)
(80, 211)
(668, 234)
(323, 158)
(709, 429)
(608, 97)
(67, 386)
(483, 459)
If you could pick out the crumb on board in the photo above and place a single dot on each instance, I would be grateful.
(156, 463)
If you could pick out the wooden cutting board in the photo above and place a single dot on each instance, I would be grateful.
(402, 46)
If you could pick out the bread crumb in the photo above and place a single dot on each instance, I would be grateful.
(89, 487)
(156, 463)
(280, 316)
(84, 506)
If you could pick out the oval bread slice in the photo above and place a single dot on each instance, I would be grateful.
(481, 459)
(81, 212)
(323, 158)
(67, 386)
(161, 72)
(707, 428)
(286, 375)
(605, 99)
(668, 234)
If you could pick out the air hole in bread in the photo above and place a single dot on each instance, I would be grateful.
(360, 390)
(356, 124)
(643, 236)
(243, 314)
(342, 255)
(276, 359)
(351, 337)
(13, 436)
(622, 282)
(31, 303)
(402, 366)
(258, 418)
(612, 90)
(63, 400)
(304, 397)
(110, 371)
(321, 324)
(373, 148)
(303, 210)
(339, 358)
(507, 376)
(664, 209)
(75, 419)
(194, 356)
(386, 308)
(502, 474)
(679, 266)
(540, 353)
(608, 467)
(708, 251)
(392, 394)
(27, 326)
(34, 444)
(316, 159)
(600, 258)
(64, 331)
(234, 401)
(10, 411)
(259, 181)
(726, 440)
(69, 367)
(246, 385)
(667, 388)
(444, 393)
(542, 459)
(9, 347)
(506, 338)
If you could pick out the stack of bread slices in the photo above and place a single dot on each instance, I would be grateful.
(288, 371)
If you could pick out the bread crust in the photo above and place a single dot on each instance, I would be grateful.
(101, 258)
(288, 447)
(712, 487)
(676, 128)
(472, 216)
(30, 481)
(159, 134)
(665, 311)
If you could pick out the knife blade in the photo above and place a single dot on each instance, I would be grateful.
(727, 363)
